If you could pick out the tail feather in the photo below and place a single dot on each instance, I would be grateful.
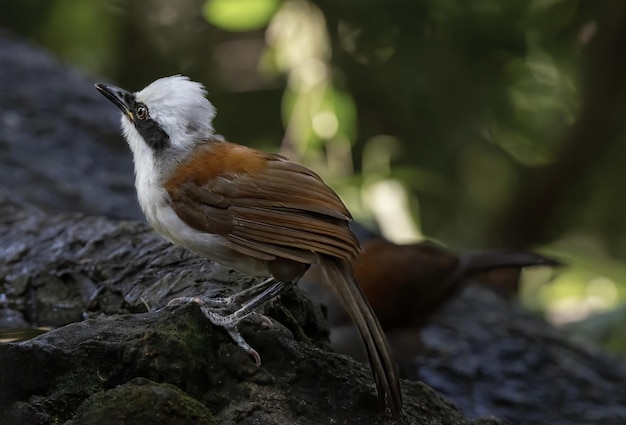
(491, 259)
(339, 273)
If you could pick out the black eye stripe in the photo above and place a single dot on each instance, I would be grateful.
(150, 130)
(152, 133)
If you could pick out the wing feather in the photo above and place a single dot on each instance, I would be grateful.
(261, 234)
(267, 208)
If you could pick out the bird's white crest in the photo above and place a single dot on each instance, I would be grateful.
(180, 106)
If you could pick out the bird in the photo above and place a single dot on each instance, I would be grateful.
(256, 212)
(407, 284)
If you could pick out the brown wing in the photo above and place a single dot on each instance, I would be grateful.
(265, 205)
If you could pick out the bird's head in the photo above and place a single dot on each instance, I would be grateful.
(167, 118)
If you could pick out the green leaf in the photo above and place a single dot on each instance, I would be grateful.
(239, 15)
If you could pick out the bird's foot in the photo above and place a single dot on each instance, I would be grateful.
(255, 298)
(211, 309)
(231, 324)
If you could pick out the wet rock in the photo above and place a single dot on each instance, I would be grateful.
(60, 141)
(141, 401)
(73, 372)
(491, 357)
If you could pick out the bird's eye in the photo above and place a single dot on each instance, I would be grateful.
(141, 112)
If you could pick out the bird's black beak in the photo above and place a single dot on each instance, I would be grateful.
(120, 97)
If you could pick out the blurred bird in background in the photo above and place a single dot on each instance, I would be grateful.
(407, 284)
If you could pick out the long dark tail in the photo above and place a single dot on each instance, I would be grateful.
(339, 273)
(492, 259)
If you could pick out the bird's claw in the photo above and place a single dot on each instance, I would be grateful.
(236, 336)
(253, 298)
(228, 322)
(261, 320)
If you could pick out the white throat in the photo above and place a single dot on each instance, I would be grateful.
(148, 180)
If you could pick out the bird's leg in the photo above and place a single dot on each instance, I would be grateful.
(239, 298)
(260, 294)
(276, 289)
(225, 302)
(231, 321)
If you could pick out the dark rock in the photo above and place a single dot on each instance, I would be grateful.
(141, 401)
(60, 140)
(72, 371)
(490, 357)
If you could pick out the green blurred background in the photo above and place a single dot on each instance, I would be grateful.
(483, 123)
